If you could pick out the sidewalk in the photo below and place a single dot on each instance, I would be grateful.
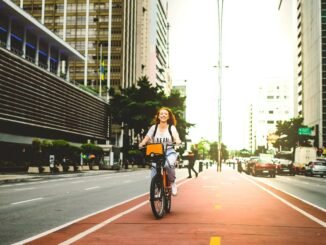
(25, 177)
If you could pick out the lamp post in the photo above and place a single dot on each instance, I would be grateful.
(220, 65)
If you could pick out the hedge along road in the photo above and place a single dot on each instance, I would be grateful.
(215, 208)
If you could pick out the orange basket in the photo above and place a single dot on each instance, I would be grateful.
(157, 149)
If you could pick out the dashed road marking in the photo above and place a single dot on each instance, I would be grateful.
(215, 240)
(30, 200)
(92, 188)
(217, 206)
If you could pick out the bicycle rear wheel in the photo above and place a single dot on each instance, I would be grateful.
(157, 198)
(167, 204)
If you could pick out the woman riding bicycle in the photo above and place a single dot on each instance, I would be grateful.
(164, 131)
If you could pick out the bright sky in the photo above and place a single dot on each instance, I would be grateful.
(250, 32)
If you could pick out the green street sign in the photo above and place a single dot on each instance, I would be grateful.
(304, 131)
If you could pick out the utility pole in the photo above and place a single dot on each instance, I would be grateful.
(220, 68)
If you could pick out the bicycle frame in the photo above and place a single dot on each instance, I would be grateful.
(160, 190)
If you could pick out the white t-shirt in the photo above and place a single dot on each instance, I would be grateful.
(162, 136)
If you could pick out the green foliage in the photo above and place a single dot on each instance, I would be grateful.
(288, 132)
(136, 107)
(60, 148)
(244, 153)
(91, 149)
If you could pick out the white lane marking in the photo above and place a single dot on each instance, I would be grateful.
(79, 181)
(277, 188)
(84, 217)
(100, 225)
(24, 189)
(92, 188)
(313, 218)
(30, 200)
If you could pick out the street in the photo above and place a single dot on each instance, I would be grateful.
(31, 208)
(28, 209)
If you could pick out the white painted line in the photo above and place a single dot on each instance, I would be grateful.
(24, 189)
(30, 200)
(92, 188)
(311, 204)
(100, 225)
(84, 217)
(75, 182)
(313, 218)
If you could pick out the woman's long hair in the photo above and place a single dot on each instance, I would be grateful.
(171, 120)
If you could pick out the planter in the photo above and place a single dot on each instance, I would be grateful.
(46, 169)
(71, 168)
(33, 170)
(95, 167)
(85, 167)
(78, 168)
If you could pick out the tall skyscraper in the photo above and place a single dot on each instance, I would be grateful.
(311, 66)
(272, 104)
(152, 42)
(88, 26)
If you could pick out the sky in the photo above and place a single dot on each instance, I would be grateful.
(251, 46)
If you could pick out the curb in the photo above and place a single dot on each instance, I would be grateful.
(18, 178)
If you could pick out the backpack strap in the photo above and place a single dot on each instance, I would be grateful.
(170, 131)
(156, 125)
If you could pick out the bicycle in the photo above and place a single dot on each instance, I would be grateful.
(160, 188)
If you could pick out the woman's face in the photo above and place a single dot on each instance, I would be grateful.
(163, 115)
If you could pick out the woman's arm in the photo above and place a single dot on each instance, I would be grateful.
(144, 141)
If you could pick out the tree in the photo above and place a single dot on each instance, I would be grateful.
(288, 134)
(137, 105)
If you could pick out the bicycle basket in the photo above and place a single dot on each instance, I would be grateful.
(154, 149)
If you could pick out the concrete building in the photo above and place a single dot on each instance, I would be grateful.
(273, 103)
(311, 66)
(152, 43)
(97, 30)
(36, 98)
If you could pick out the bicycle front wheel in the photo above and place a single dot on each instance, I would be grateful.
(157, 196)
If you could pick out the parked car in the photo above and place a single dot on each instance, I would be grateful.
(284, 166)
(316, 168)
(263, 167)
(248, 164)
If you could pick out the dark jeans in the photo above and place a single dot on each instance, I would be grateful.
(191, 167)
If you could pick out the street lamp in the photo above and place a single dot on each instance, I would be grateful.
(220, 65)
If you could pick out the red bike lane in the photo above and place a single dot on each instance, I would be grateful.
(215, 208)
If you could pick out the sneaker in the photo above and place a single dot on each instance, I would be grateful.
(174, 189)
(189, 177)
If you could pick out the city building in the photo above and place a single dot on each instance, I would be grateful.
(310, 66)
(96, 29)
(152, 43)
(36, 98)
(273, 103)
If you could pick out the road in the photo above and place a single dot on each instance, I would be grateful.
(28, 209)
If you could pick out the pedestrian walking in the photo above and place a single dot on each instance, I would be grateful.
(191, 159)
